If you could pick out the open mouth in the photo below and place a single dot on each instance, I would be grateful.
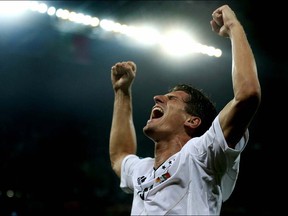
(157, 112)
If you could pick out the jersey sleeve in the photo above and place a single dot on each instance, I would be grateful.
(214, 155)
(127, 169)
(231, 159)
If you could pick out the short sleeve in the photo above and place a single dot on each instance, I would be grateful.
(230, 177)
(127, 169)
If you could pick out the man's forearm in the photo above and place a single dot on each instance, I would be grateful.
(122, 135)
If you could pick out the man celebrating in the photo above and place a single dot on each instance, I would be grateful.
(197, 151)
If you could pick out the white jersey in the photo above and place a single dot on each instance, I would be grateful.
(194, 181)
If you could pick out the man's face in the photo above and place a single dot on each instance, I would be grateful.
(167, 116)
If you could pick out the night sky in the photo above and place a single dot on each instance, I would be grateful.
(56, 102)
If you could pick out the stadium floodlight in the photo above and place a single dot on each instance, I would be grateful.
(176, 43)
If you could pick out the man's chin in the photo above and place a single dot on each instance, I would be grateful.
(147, 130)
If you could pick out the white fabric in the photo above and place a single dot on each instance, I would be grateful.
(194, 181)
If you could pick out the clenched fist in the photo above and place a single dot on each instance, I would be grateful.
(122, 75)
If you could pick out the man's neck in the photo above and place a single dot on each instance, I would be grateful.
(165, 149)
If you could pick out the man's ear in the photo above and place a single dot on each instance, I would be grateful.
(192, 122)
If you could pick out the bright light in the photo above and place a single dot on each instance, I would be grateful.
(178, 43)
(75, 17)
(42, 8)
(51, 11)
(175, 43)
(63, 14)
(145, 35)
(13, 8)
(107, 25)
(95, 22)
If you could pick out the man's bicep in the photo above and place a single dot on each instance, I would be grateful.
(234, 122)
(118, 164)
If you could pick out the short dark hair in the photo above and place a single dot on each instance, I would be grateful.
(200, 105)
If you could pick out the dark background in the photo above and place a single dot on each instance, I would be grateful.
(56, 103)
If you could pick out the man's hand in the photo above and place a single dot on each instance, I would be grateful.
(122, 75)
(223, 18)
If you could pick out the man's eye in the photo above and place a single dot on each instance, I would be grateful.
(170, 97)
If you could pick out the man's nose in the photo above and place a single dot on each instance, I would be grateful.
(159, 98)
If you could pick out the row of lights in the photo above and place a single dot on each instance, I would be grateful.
(176, 43)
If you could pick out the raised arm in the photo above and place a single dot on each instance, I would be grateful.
(122, 134)
(238, 113)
